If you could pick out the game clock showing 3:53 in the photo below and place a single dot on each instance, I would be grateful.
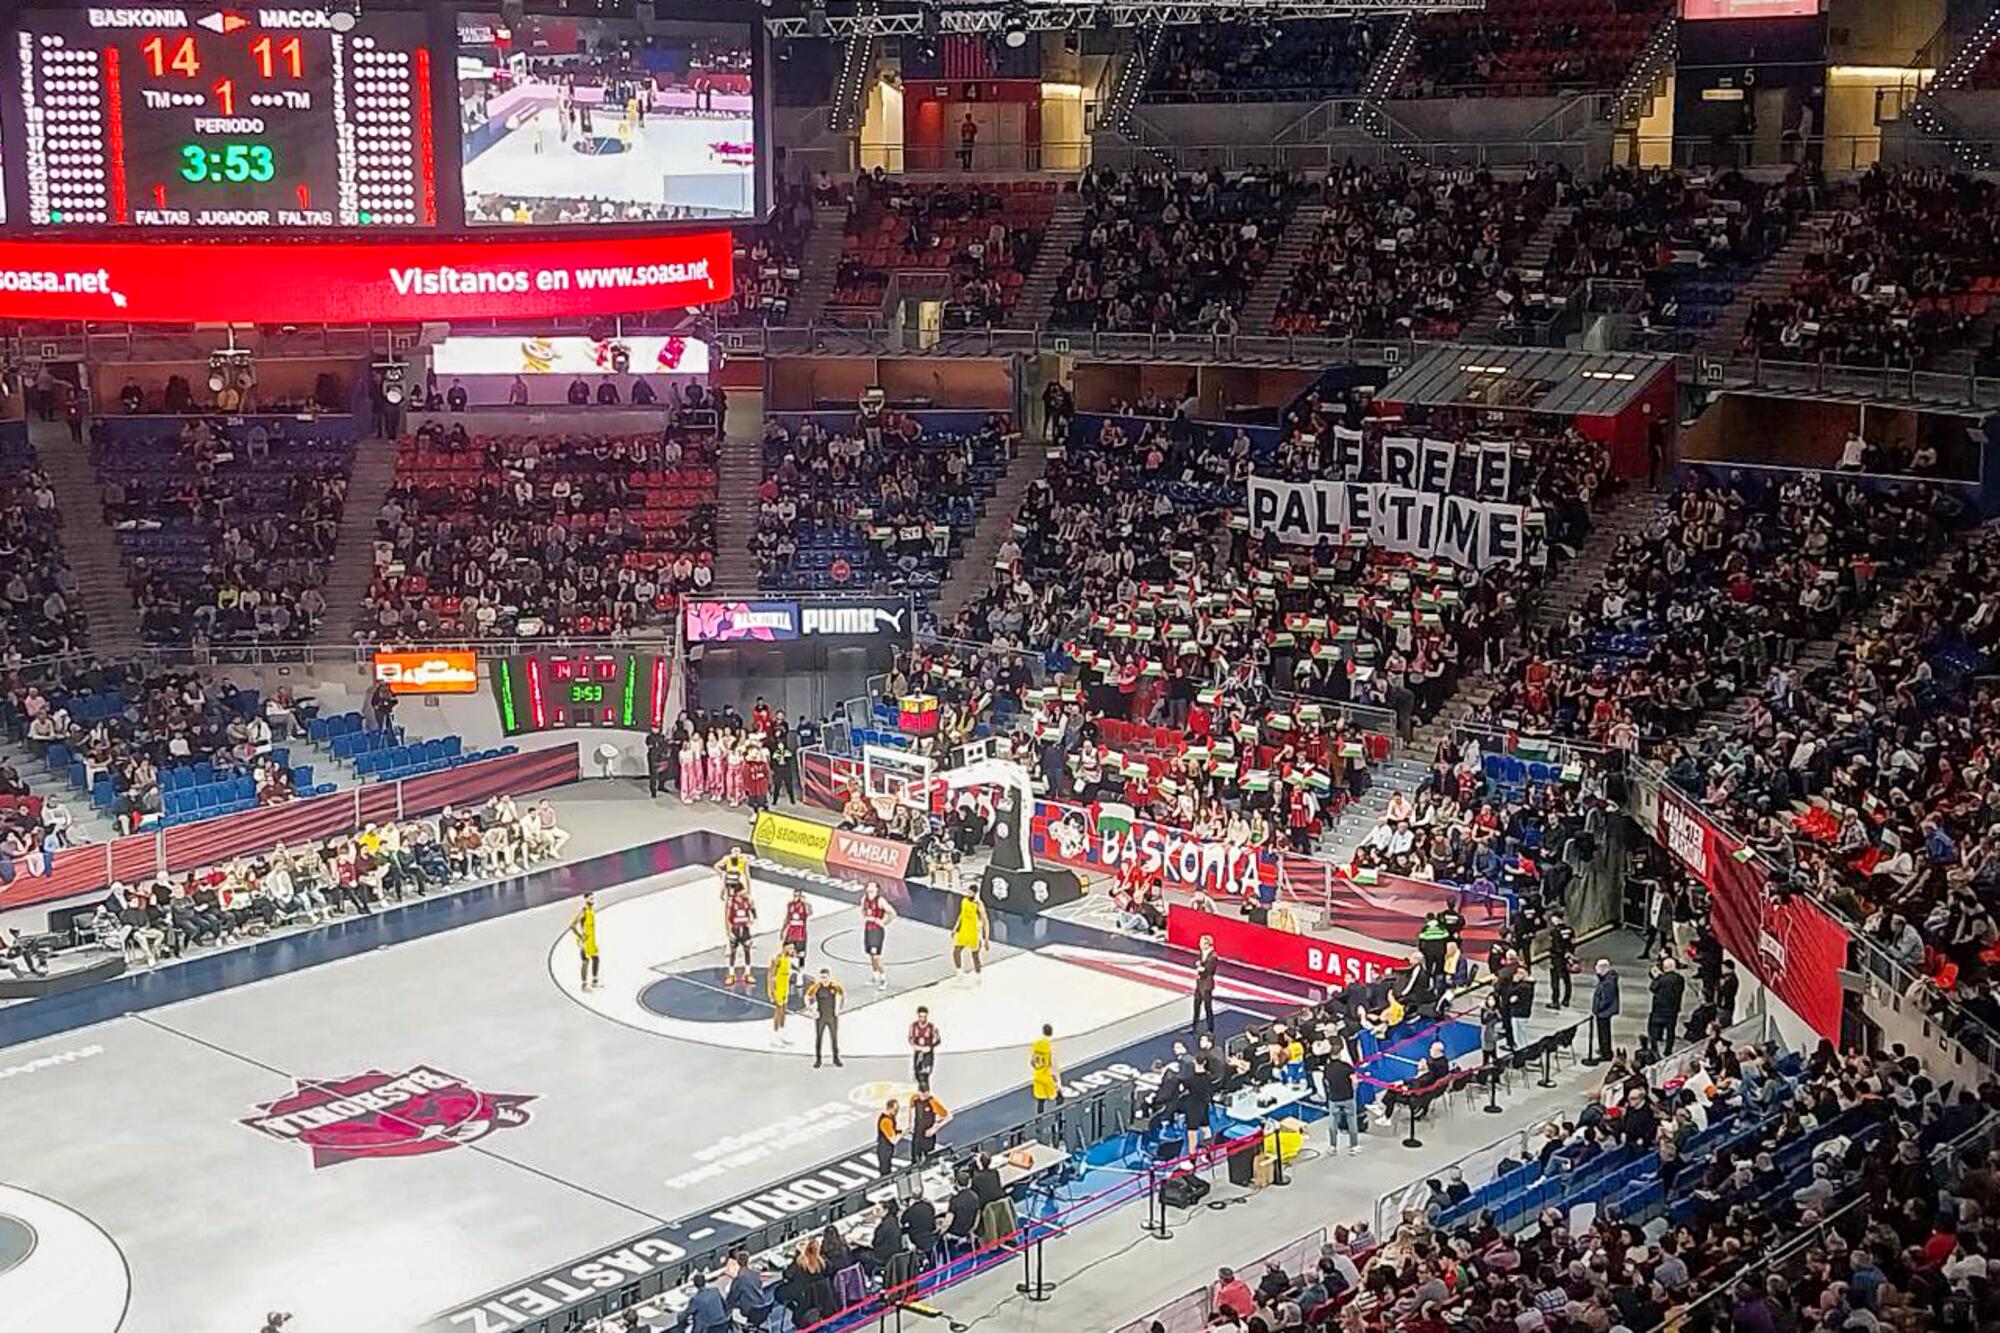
(228, 163)
(549, 691)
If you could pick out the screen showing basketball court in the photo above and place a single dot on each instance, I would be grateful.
(580, 121)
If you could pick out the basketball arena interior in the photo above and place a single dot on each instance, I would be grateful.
(1117, 666)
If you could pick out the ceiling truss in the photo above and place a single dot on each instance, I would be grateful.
(920, 22)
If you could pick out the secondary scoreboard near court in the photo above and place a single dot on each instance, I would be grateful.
(551, 691)
(215, 118)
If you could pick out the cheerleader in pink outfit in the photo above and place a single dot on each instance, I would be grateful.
(738, 793)
(691, 770)
(717, 783)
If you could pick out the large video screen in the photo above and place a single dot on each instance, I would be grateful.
(576, 121)
(204, 117)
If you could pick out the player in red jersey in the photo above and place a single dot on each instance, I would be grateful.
(876, 914)
(797, 912)
(739, 918)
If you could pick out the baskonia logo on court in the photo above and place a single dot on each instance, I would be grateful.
(388, 1115)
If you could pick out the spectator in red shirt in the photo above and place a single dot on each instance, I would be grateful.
(1233, 1293)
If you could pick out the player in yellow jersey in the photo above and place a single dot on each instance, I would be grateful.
(734, 867)
(584, 926)
(971, 933)
(780, 987)
(1044, 1079)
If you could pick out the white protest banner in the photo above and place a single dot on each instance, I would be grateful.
(1472, 533)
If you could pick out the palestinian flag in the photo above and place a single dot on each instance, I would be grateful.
(1115, 817)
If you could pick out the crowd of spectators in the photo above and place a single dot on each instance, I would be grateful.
(116, 727)
(1266, 62)
(1407, 252)
(229, 530)
(501, 535)
(1184, 636)
(766, 272)
(1464, 826)
(874, 501)
(352, 874)
(1529, 48)
(1870, 783)
(1663, 228)
(1725, 581)
(1910, 260)
(982, 236)
(1744, 1145)
(41, 615)
(1168, 253)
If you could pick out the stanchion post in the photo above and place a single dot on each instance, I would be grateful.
(1156, 1207)
(1545, 1081)
(1412, 1141)
(1492, 1106)
(1032, 1284)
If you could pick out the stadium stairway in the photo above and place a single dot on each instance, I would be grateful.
(353, 566)
(1260, 307)
(89, 543)
(1407, 769)
(1483, 327)
(1037, 297)
(739, 470)
(969, 576)
(1772, 281)
(817, 267)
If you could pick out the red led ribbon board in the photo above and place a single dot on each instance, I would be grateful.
(351, 282)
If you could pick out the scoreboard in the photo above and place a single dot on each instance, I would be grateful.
(315, 116)
(258, 117)
(554, 691)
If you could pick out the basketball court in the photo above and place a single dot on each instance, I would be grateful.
(384, 1124)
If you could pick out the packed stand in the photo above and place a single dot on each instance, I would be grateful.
(879, 501)
(1870, 783)
(983, 237)
(1530, 48)
(524, 535)
(42, 615)
(354, 874)
(1736, 1146)
(1267, 62)
(129, 735)
(1170, 253)
(1691, 240)
(1211, 669)
(1726, 580)
(227, 528)
(766, 270)
(1910, 263)
(1406, 252)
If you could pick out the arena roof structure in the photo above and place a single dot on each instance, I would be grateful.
(1527, 379)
